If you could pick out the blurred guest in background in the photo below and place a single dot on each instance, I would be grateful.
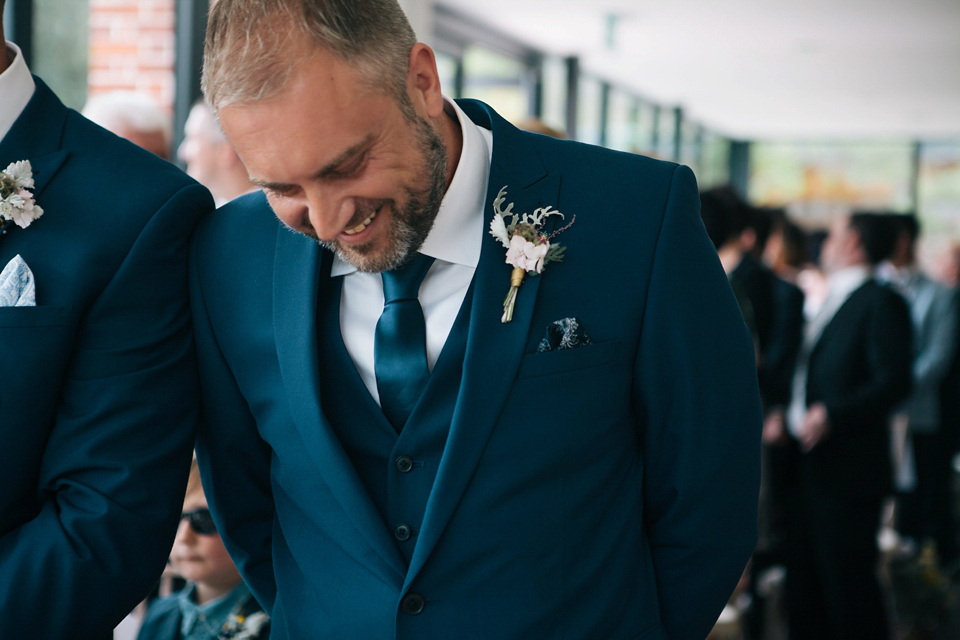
(723, 218)
(853, 368)
(811, 278)
(786, 248)
(209, 158)
(134, 116)
(215, 603)
(949, 274)
(924, 505)
(948, 269)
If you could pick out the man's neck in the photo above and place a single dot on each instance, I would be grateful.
(452, 135)
(730, 256)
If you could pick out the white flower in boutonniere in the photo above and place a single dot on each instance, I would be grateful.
(243, 627)
(16, 201)
(528, 248)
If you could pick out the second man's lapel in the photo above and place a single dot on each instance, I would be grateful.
(494, 349)
(299, 271)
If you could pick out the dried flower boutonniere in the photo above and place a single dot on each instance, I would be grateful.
(528, 248)
(16, 201)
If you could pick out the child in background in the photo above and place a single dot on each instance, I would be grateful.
(215, 604)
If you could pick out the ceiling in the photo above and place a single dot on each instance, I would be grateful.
(762, 69)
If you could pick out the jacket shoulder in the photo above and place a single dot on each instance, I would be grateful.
(163, 616)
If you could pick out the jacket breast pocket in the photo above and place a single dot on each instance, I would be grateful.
(561, 361)
(29, 317)
(35, 344)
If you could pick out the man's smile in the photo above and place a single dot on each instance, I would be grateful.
(363, 225)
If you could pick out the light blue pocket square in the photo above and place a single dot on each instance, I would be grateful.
(17, 288)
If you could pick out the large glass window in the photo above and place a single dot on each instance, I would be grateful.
(589, 103)
(496, 79)
(554, 112)
(666, 138)
(447, 68)
(820, 180)
(622, 121)
(713, 169)
(938, 189)
(646, 124)
(690, 143)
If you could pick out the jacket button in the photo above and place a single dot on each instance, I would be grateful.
(402, 532)
(412, 604)
(404, 464)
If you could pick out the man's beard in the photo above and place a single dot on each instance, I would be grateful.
(410, 224)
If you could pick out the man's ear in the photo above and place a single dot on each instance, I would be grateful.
(423, 81)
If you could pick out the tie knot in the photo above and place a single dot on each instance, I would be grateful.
(403, 283)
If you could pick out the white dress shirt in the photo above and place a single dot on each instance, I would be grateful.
(16, 89)
(840, 286)
(454, 243)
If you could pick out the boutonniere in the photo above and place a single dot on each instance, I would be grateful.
(243, 627)
(528, 248)
(16, 200)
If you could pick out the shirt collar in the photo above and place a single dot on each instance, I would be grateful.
(215, 612)
(458, 230)
(847, 280)
(16, 89)
(901, 278)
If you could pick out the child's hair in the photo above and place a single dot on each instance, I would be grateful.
(193, 482)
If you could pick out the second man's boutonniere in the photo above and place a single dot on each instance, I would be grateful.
(528, 248)
(16, 201)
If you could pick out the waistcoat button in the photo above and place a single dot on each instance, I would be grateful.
(412, 604)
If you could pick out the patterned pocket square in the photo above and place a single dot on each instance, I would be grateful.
(17, 288)
(564, 334)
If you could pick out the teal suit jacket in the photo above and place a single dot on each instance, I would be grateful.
(99, 397)
(608, 491)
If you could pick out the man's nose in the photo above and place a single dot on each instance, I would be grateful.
(184, 531)
(329, 214)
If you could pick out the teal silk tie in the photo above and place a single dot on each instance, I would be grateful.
(400, 342)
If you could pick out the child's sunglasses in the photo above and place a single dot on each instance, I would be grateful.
(200, 521)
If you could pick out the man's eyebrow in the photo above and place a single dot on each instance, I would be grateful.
(325, 172)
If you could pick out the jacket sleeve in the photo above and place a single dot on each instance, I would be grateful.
(931, 364)
(114, 469)
(234, 461)
(698, 404)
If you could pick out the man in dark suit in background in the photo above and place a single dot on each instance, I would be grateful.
(98, 403)
(585, 469)
(925, 510)
(854, 367)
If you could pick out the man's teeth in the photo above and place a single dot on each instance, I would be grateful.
(363, 225)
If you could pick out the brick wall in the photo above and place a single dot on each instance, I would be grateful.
(132, 47)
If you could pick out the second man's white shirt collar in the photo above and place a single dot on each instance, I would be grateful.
(16, 89)
(457, 233)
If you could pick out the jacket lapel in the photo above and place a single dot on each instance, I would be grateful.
(36, 136)
(494, 349)
(299, 270)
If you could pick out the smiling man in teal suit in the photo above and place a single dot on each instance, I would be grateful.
(99, 396)
(587, 469)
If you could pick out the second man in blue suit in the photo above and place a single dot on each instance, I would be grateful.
(394, 446)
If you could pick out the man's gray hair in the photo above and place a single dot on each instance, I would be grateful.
(252, 46)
